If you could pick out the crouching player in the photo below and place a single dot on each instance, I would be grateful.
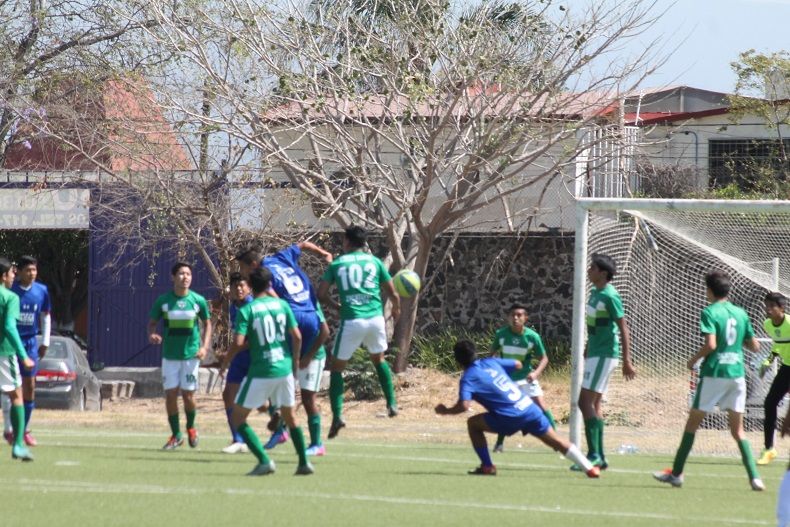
(262, 325)
(487, 381)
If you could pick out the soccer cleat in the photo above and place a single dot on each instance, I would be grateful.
(595, 461)
(29, 439)
(757, 484)
(499, 448)
(483, 470)
(392, 411)
(315, 450)
(9, 436)
(768, 455)
(235, 448)
(304, 470)
(173, 443)
(666, 476)
(262, 469)
(280, 436)
(337, 424)
(21, 452)
(594, 472)
(192, 434)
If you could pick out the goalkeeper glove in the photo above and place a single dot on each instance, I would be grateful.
(765, 366)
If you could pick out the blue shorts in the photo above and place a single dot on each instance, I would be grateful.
(238, 367)
(309, 326)
(31, 348)
(533, 422)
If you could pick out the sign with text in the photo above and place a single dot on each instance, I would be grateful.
(44, 209)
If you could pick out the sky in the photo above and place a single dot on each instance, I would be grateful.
(709, 34)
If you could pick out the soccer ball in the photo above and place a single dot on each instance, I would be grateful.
(407, 283)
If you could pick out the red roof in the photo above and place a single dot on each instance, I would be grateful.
(646, 118)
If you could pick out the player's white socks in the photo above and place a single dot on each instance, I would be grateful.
(6, 401)
(575, 455)
(783, 503)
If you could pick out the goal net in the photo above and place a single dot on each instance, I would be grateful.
(663, 250)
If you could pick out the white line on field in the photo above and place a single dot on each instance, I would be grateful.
(43, 485)
(424, 459)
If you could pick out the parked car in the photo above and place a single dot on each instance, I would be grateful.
(64, 378)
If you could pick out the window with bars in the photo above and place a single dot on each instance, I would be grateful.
(747, 162)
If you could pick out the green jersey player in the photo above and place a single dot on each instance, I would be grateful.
(726, 329)
(518, 342)
(607, 332)
(265, 325)
(182, 348)
(12, 351)
(360, 278)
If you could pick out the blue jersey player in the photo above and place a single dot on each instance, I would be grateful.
(487, 382)
(241, 295)
(34, 316)
(291, 283)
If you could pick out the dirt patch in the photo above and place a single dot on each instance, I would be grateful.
(648, 413)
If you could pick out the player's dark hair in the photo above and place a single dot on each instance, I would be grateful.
(719, 283)
(260, 280)
(357, 236)
(236, 278)
(177, 267)
(5, 265)
(465, 353)
(516, 306)
(249, 256)
(776, 298)
(27, 260)
(604, 262)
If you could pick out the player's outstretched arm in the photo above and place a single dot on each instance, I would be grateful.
(459, 408)
(629, 371)
(315, 249)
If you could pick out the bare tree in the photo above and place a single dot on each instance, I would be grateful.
(411, 123)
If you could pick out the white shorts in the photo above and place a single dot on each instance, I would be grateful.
(310, 378)
(180, 374)
(597, 372)
(254, 391)
(783, 502)
(531, 389)
(370, 332)
(10, 379)
(727, 394)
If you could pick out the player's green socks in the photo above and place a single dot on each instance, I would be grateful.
(252, 441)
(600, 426)
(190, 418)
(385, 379)
(18, 424)
(591, 434)
(175, 428)
(550, 417)
(337, 388)
(748, 458)
(683, 453)
(314, 426)
(297, 436)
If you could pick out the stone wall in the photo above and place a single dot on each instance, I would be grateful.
(485, 274)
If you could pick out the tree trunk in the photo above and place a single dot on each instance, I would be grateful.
(404, 327)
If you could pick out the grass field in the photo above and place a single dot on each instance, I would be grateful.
(103, 477)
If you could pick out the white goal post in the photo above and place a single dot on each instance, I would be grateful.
(662, 249)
